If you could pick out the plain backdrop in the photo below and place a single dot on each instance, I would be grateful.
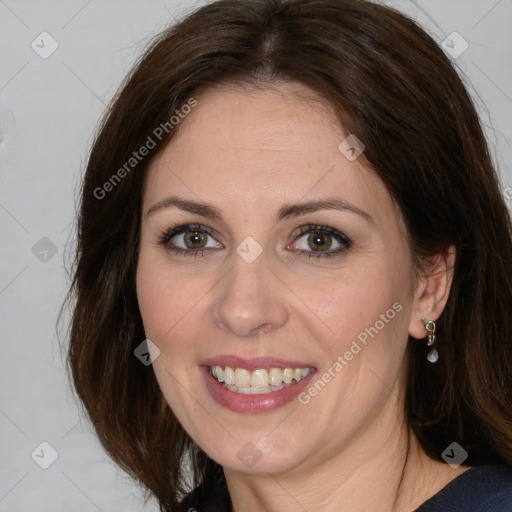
(49, 107)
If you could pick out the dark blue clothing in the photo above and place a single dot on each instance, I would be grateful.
(479, 489)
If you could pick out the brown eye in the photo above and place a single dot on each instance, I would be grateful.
(190, 239)
(319, 241)
(195, 239)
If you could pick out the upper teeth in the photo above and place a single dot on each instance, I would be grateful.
(261, 378)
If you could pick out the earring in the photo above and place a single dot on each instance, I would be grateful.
(430, 326)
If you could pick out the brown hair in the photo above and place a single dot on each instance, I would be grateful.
(390, 85)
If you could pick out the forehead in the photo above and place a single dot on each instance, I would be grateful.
(262, 146)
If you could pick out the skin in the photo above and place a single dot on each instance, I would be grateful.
(247, 152)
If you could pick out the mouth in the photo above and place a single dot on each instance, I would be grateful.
(258, 381)
(255, 385)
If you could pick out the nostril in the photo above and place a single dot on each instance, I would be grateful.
(263, 328)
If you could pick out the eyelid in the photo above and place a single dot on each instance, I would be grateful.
(343, 240)
(167, 234)
(309, 228)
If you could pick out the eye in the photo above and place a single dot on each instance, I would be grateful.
(319, 241)
(189, 239)
(310, 241)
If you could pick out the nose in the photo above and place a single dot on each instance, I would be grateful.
(250, 299)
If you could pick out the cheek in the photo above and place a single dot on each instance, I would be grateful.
(361, 328)
(166, 301)
(165, 298)
(368, 302)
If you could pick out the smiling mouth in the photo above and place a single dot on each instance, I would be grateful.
(257, 382)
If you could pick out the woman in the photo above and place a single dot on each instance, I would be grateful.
(291, 212)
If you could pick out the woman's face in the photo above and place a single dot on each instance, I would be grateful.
(283, 261)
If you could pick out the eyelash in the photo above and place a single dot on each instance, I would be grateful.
(167, 234)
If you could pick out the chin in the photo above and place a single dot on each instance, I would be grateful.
(276, 456)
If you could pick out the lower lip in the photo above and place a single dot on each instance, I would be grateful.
(265, 402)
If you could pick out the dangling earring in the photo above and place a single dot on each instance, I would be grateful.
(430, 326)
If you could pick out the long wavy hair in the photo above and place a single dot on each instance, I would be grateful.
(388, 83)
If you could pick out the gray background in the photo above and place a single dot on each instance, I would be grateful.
(48, 112)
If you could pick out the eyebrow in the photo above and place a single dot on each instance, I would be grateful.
(203, 209)
(334, 203)
(285, 212)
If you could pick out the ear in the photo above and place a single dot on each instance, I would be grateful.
(432, 291)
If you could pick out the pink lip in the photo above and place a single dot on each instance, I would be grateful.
(266, 402)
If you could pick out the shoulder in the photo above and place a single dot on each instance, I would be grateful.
(479, 489)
